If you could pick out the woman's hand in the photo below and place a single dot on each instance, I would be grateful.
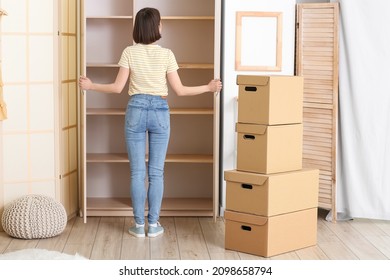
(85, 83)
(215, 85)
(181, 90)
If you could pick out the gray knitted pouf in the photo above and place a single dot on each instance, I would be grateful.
(34, 216)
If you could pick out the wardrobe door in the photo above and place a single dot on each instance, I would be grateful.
(317, 58)
(106, 29)
(68, 104)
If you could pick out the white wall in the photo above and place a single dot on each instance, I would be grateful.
(230, 89)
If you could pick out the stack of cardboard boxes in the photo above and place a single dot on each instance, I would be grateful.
(271, 202)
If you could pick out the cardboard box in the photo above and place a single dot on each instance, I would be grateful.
(270, 236)
(269, 149)
(273, 194)
(270, 100)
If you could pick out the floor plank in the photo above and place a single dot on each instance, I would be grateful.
(79, 249)
(165, 247)
(228, 255)
(5, 240)
(245, 256)
(200, 238)
(135, 249)
(191, 243)
(367, 227)
(311, 253)
(286, 256)
(82, 237)
(383, 225)
(108, 241)
(331, 245)
(84, 233)
(57, 243)
(214, 233)
(355, 241)
(20, 244)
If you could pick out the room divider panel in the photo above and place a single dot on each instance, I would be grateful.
(317, 58)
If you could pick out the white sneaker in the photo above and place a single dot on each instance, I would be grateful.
(137, 231)
(155, 231)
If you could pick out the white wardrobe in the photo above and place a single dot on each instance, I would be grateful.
(191, 29)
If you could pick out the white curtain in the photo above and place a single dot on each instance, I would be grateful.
(363, 163)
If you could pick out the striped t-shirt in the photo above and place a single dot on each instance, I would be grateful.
(149, 65)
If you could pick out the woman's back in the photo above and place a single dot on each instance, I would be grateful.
(148, 66)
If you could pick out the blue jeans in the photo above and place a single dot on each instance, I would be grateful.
(147, 118)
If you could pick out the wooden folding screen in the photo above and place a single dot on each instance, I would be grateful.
(317, 61)
(68, 103)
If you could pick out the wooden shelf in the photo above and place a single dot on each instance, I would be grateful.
(189, 158)
(103, 158)
(170, 207)
(163, 17)
(187, 17)
(109, 17)
(173, 111)
(191, 111)
(196, 66)
(172, 158)
(181, 65)
(105, 112)
(102, 65)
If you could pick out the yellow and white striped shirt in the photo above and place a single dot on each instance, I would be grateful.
(149, 65)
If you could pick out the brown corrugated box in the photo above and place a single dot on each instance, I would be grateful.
(270, 100)
(269, 149)
(270, 236)
(272, 194)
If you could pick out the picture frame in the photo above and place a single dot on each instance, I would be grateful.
(258, 41)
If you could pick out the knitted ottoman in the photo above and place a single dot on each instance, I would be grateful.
(34, 216)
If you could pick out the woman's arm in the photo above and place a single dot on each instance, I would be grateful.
(181, 90)
(115, 87)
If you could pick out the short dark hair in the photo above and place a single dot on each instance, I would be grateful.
(146, 27)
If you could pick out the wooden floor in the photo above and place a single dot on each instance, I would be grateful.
(103, 238)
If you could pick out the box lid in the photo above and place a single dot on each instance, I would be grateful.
(255, 80)
(245, 177)
(245, 218)
(252, 80)
(251, 128)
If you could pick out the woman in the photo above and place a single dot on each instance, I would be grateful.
(148, 67)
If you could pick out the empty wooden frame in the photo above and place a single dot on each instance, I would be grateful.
(258, 41)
